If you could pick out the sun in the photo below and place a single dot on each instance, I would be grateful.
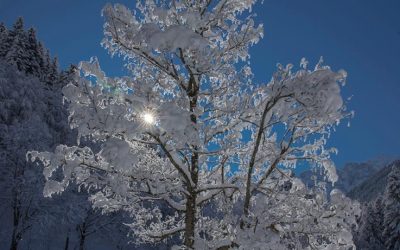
(149, 118)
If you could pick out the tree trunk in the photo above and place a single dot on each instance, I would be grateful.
(82, 242)
(16, 220)
(82, 235)
(246, 205)
(14, 240)
(190, 216)
(190, 221)
(66, 242)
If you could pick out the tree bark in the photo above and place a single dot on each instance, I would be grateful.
(269, 105)
(66, 242)
(14, 240)
(190, 216)
(82, 242)
(250, 169)
(82, 235)
(190, 220)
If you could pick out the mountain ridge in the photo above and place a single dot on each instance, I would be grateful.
(362, 181)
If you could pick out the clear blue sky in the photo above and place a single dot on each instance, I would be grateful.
(360, 36)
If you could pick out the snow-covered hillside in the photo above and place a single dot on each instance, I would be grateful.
(33, 116)
(352, 175)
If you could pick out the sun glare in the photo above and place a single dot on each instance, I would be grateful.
(149, 118)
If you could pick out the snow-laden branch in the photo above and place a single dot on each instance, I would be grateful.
(214, 138)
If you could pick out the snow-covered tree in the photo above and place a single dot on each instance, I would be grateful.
(18, 27)
(21, 48)
(31, 116)
(34, 54)
(293, 217)
(18, 52)
(3, 40)
(392, 209)
(190, 129)
(41, 61)
(116, 231)
(22, 127)
(370, 232)
(52, 72)
(81, 219)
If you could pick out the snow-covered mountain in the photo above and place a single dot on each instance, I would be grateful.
(355, 177)
(372, 187)
(380, 216)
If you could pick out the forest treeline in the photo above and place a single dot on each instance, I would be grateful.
(33, 117)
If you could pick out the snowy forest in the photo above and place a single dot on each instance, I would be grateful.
(186, 152)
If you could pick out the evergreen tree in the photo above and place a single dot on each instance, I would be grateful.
(66, 76)
(18, 28)
(3, 40)
(22, 126)
(392, 209)
(17, 54)
(32, 116)
(41, 59)
(2, 27)
(33, 66)
(22, 49)
(3, 30)
(369, 235)
(46, 66)
(53, 74)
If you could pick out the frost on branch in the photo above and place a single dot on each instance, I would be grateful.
(217, 140)
(293, 217)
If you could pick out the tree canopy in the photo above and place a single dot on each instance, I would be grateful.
(218, 141)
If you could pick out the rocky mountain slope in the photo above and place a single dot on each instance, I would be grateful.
(361, 181)
(370, 188)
